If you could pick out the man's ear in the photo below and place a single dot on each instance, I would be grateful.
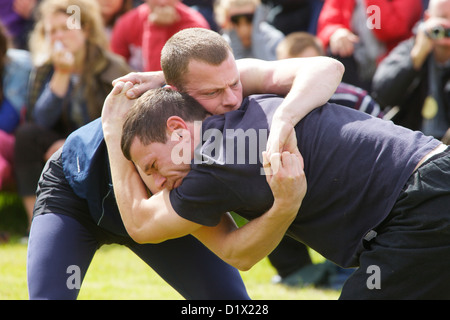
(176, 125)
(170, 87)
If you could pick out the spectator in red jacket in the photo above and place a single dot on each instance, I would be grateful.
(140, 34)
(361, 33)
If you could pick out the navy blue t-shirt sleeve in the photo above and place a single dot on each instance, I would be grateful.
(203, 198)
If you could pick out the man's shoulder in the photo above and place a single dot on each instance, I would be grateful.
(331, 108)
(262, 104)
(88, 133)
(253, 109)
(81, 146)
(85, 158)
(266, 98)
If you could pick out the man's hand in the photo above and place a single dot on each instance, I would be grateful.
(282, 137)
(115, 109)
(286, 178)
(142, 82)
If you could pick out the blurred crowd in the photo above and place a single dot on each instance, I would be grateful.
(59, 57)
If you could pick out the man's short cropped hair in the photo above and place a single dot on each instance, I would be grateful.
(147, 118)
(191, 44)
(295, 43)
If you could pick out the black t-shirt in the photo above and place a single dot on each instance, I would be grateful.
(355, 165)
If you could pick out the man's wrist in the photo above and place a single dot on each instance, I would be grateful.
(284, 208)
(111, 134)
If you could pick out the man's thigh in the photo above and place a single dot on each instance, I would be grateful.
(408, 259)
(405, 274)
(60, 250)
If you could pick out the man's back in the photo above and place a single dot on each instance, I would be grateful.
(355, 165)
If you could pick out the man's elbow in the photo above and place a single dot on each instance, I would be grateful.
(341, 68)
(244, 267)
(334, 71)
(336, 67)
(238, 257)
(142, 237)
(241, 264)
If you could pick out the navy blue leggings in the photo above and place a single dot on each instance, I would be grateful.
(58, 242)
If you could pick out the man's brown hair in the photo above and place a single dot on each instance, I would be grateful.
(191, 44)
(295, 43)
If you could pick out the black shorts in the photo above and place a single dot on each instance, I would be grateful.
(55, 195)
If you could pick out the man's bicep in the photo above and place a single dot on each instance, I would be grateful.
(178, 225)
(214, 238)
(162, 222)
(252, 76)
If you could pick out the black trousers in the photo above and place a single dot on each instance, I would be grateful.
(410, 256)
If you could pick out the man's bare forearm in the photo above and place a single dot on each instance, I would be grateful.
(245, 246)
(314, 84)
(306, 83)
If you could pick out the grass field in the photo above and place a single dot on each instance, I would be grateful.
(118, 274)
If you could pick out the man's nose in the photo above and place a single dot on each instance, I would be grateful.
(230, 98)
(151, 183)
(159, 181)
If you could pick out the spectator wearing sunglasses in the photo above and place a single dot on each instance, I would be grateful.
(244, 27)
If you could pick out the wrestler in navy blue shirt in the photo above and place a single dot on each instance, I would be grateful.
(356, 166)
(76, 212)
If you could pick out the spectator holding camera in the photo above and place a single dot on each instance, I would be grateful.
(360, 33)
(415, 77)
